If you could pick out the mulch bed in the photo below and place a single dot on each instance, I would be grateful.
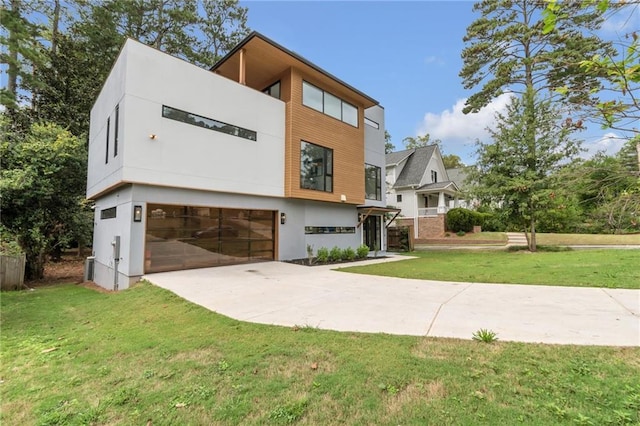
(314, 262)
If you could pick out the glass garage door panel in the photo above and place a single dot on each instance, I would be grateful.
(184, 237)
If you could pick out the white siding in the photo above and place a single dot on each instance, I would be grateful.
(374, 149)
(183, 155)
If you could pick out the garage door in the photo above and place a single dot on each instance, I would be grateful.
(186, 237)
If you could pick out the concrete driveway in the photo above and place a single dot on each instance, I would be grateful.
(288, 295)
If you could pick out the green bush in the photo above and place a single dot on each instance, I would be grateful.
(459, 219)
(335, 255)
(348, 254)
(362, 251)
(323, 254)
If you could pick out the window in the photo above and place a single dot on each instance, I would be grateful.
(316, 167)
(399, 198)
(372, 182)
(332, 106)
(207, 123)
(434, 176)
(115, 132)
(329, 229)
(349, 114)
(109, 213)
(273, 90)
(312, 96)
(106, 157)
(329, 104)
(371, 123)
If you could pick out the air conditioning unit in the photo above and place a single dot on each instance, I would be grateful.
(89, 268)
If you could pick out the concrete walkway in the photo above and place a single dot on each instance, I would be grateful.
(285, 294)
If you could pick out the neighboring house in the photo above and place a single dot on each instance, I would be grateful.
(459, 176)
(419, 185)
(260, 158)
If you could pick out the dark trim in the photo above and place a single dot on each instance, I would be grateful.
(109, 213)
(293, 55)
(115, 131)
(106, 157)
(377, 125)
(243, 133)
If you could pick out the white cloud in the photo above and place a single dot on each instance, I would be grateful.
(434, 60)
(459, 131)
(623, 20)
(609, 144)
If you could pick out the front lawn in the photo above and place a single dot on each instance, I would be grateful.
(587, 239)
(580, 268)
(71, 355)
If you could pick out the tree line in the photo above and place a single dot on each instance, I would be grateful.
(56, 55)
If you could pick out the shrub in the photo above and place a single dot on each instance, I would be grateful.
(461, 233)
(362, 251)
(335, 255)
(348, 254)
(460, 219)
(323, 254)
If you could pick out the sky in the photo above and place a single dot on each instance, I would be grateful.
(404, 54)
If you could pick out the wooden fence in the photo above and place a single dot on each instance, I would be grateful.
(400, 238)
(12, 272)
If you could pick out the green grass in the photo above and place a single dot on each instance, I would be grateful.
(73, 356)
(579, 268)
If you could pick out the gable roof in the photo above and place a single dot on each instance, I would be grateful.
(414, 170)
(457, 175)
(395, 158)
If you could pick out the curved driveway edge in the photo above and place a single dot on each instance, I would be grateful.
(285, 294)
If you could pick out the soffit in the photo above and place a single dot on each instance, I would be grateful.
(265, 60)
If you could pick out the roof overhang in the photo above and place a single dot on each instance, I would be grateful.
(449, 187)
(366, 211)
(257, 59)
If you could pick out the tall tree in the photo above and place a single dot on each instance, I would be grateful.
(42, 182)
(388, 145)
(223, 25)
(21, 52)
(518, 173)
(507, 50)
(411, 142)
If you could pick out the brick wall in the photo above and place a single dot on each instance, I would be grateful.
(428, 227)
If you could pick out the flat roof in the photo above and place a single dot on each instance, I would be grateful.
(254, 36)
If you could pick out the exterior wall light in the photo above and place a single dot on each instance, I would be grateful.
(137, 213)
(283, 218)
(153, 136)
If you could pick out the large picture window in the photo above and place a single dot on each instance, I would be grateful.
(372, 182)
(316, 167)
(329, 104)
(207, 123)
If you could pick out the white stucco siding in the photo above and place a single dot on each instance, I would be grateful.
(330, 214)
(374, 149)
(181, 154)
(102, 173)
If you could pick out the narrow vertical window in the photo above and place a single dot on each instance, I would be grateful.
(115, 132)
(106, 158)
(373, 182)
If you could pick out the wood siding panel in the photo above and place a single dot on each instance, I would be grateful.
(347, 142)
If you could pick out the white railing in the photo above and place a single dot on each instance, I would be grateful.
(433, 211)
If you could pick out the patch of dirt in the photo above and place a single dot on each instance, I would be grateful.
(68, 270)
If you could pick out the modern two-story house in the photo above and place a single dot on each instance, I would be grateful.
(418, 184)
(262, 157)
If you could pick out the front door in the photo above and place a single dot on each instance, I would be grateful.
(371, 228)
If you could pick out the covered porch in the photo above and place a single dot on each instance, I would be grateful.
(436, 199)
